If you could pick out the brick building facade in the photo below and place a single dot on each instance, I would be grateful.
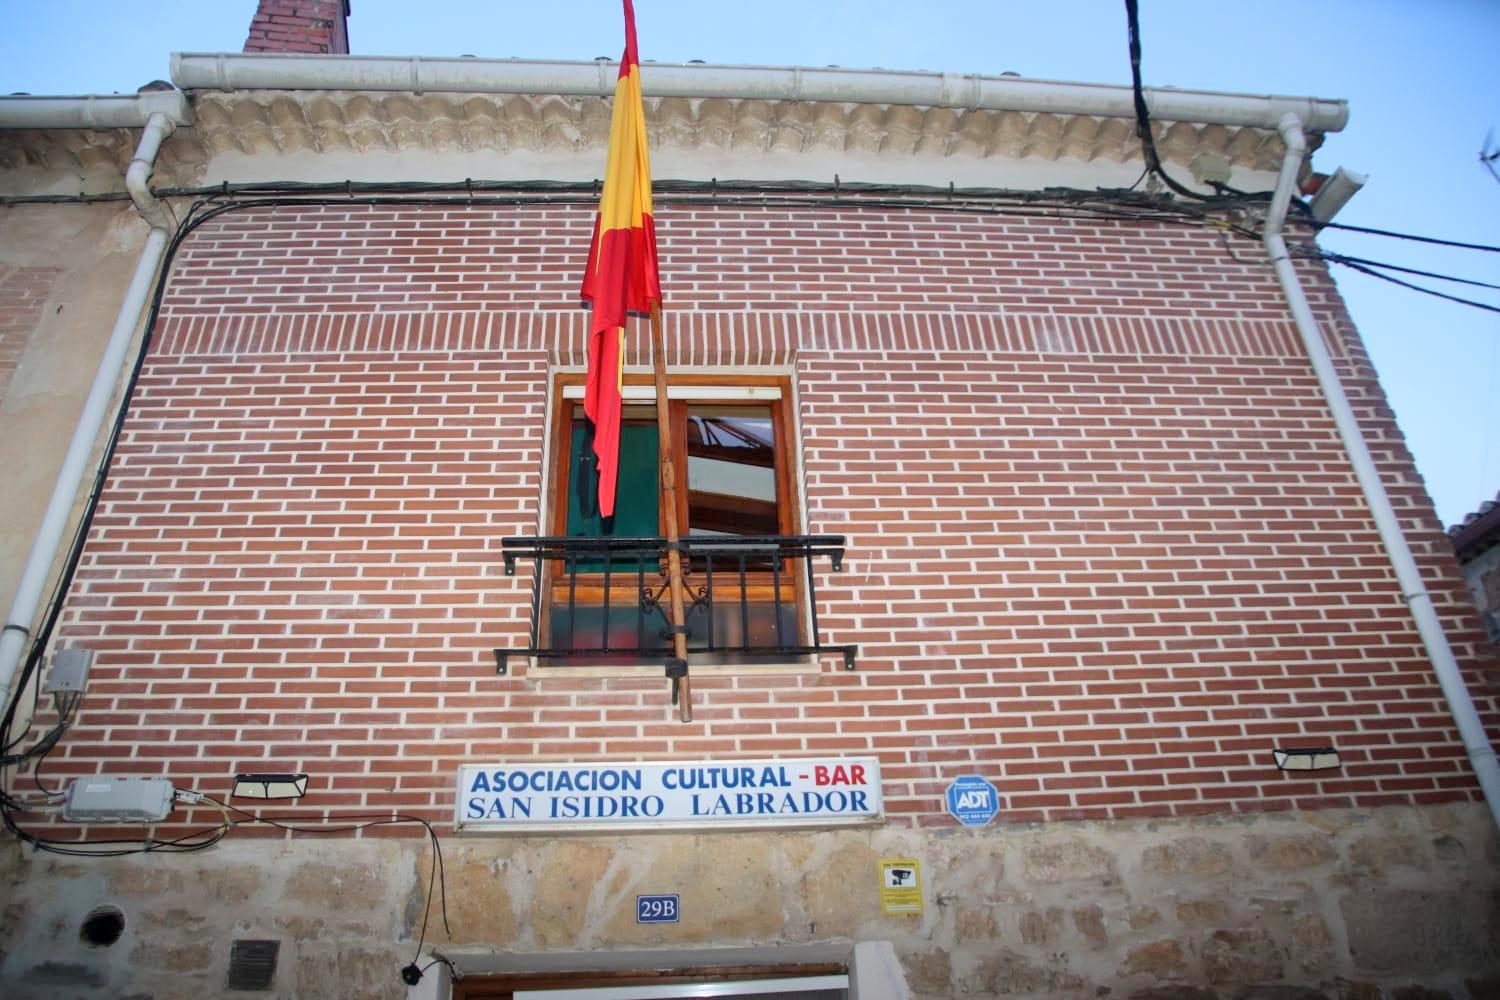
(1102, 547)
(1101, 535)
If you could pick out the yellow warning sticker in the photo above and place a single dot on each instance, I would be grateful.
(900, 887)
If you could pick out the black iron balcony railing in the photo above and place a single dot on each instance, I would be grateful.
(605, 600)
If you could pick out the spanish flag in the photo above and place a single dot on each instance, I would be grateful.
(621, 277)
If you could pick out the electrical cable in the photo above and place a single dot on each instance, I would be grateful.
(197, 840)
(1407, 236)
(1104, 205)
(53, 609)
(437, 870)
(589, 191)
(1339, 258)
(1418, 288)
(1099, 205)
(36, 702)
(185, 844)
(355, 823)
(1143, 122)
(64, 714)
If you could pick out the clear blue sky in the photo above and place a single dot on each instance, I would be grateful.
(1423, 81)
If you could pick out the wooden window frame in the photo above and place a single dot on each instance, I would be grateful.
(701, 387)
(789, 515)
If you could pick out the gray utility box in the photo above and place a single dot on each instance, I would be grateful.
(70, 671)
(118, 800)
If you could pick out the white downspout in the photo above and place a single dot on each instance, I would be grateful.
(1413, 591)
(16, 636)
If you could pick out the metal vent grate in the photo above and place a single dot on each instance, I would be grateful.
(252, 965)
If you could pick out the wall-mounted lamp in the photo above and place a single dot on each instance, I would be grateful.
(269, 786)
(1306, 759)
(1334, 193)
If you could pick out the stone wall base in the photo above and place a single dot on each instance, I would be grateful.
(1397, 902)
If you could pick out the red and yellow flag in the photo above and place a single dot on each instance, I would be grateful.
(621, 277)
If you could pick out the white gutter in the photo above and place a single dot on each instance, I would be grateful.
(1413, 591)
(17, 635)
(97, 112)
(262, 71)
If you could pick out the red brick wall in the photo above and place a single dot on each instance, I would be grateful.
(1104, 545)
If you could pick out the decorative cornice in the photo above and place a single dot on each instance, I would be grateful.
(271, 123)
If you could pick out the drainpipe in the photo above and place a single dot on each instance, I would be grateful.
(98, 111)
(1413, 591)
(16, 636)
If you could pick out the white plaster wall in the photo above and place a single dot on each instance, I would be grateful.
(96, 247)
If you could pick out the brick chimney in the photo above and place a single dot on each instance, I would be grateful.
(315, 26)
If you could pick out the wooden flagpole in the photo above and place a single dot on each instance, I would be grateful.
(682, 686)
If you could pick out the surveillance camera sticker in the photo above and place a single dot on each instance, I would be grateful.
(900, 887)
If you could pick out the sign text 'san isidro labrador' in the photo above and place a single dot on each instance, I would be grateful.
(814, 791)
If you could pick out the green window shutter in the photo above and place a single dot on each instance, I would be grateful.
(637, 491)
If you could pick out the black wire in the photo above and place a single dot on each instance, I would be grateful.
(1120, 205)
(1051, 203)
(438, 868)
(1339, 258)
(1108, 205)
(1143, 120)
(1418, 288)
(53, 611)
(189, 843)
(1407, 236)
(589, 192)
(44, 743)
(62, 725)
(440, 960)
(146, 845)
(36, 701)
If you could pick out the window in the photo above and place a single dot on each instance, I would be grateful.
(731, 453)
(731, 439)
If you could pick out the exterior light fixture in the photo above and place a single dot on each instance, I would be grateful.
(1306, 759)
(269, 786)
(1334, 193)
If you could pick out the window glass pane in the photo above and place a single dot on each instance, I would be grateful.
(731, 474)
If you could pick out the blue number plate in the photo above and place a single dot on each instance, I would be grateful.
(656, 909)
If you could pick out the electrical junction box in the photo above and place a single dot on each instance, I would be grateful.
(70, 671)
(118, 800)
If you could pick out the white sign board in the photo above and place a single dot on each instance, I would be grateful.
(813, 791)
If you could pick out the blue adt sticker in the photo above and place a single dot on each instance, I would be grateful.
(656, 909)
(972, 800)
